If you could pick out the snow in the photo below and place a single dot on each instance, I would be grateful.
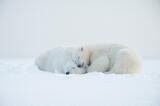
(22, 84)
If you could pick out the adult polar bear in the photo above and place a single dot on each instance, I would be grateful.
(111, 58)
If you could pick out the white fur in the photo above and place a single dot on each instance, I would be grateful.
(112, 58)
(58, 60)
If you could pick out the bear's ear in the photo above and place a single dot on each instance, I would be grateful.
(81, 49)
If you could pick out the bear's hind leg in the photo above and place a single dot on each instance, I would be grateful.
(127, 62)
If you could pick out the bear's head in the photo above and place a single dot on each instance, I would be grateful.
(80, 56)
(71, 68)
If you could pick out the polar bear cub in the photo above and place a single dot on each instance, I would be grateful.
(111, 58)
(58, 60)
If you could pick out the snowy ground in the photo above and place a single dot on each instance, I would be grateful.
(22, 84)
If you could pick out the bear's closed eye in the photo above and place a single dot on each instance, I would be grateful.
(73, 67)
(81, 48)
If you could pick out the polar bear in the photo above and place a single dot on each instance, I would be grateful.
(58, 60)
(109, 58)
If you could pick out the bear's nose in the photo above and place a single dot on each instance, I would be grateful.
(80, 65)
(67, 73)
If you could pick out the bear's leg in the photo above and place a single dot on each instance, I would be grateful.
(99, 65)
(126, 62)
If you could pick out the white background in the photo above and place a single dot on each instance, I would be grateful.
(30, 27)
